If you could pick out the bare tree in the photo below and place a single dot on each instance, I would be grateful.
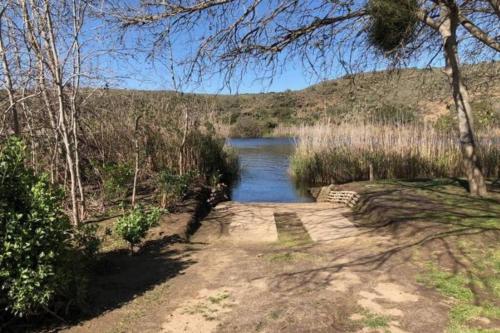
(136, 153)
(233, 36)
(9, 86)
(51, 34)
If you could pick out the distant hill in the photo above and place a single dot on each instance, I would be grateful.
(414, 93)
(403, 95)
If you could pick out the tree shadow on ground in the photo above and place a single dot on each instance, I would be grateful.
(117, 277)
(394, 220)
(120, 277)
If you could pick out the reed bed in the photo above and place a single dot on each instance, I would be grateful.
(328, 153)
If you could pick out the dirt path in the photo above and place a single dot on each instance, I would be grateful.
(286, 268)
(325, 275)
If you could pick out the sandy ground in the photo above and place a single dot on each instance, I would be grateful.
(284, 268)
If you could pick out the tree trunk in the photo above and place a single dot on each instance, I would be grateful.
(471, 160)
(77, 25)
(183, 142)
(62, 121)
(136, 169)
(8, 82)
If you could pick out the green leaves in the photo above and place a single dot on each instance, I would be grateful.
(117, 178)
(134, 226)
(174, 186)
(34, 235)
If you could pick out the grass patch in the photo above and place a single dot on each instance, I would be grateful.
(375, 321)
(449, 284)
(275, 314)
(210, 309)
(474, 291)
(293, 242)
(217, 299)
(372, 320)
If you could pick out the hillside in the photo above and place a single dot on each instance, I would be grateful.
(404, 94)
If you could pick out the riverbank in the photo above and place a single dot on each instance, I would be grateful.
(341, 153)
(411, 257)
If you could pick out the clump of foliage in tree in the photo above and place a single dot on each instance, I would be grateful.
(134, 226)
(393, 23)
(39, 250)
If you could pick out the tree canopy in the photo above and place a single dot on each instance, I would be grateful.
(233, 36)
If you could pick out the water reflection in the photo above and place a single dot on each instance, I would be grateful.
(264, 171)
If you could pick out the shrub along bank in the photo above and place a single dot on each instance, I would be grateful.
(43, 259)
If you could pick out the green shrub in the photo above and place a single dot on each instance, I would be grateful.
(117, 178)
(36, 247)
(446, 123)
(210, 156)
(234, 117)
(86, 240)
(173, 186)
(134, 226)
(485, 114)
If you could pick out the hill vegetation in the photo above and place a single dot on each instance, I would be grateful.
(404, 95)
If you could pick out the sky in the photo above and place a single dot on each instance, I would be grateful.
(137, 71)
(132, 69)
(141, 74)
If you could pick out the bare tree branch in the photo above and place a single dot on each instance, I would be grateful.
(479, 33)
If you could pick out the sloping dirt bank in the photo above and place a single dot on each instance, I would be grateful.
(411, 257)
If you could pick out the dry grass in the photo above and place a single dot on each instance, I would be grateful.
(330, 153)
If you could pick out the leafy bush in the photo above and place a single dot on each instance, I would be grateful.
(446, 123)
(211, 156)
(134, 226)
(486, 115)
(116, 180)
(173, 186)
(36, 247)
(86, 240)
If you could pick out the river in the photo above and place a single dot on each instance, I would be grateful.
(264, 176)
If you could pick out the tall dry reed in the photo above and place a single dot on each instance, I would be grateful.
(330, 153)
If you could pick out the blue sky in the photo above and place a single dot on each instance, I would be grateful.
(136, 71)
(142, 75)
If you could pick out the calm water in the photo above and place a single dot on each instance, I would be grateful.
(264, 171)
